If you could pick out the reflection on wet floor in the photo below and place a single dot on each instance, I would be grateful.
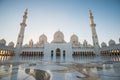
(81, 68)
(38, 74)
(63, 71)
(111, 58)
(4, 58)
(15, 73)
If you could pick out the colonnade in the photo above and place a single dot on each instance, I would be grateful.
(26, 53)
(114, 52)
(77, 53)
(6, 53)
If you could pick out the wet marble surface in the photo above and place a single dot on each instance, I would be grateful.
(79, 68)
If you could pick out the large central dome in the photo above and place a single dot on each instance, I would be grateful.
(58, 37)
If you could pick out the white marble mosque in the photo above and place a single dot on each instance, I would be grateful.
(58, 46)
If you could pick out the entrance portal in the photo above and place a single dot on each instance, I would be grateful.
(57, 52)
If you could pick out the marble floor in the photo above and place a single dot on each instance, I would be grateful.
(77, 68)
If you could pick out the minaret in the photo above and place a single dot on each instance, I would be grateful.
(31, 43)
(94, 34)
(21, 33)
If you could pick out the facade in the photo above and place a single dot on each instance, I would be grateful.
(59, 47)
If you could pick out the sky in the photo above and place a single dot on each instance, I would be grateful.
(68, 16)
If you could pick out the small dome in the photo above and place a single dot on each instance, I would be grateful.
(11, 44)
(103, 44)
(43, 38)
(2, 42)
(111, 42)
(74, 38)
(58, 37)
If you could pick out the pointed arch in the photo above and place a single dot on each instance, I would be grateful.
(58, 52)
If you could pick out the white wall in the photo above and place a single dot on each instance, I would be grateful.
(62, 46)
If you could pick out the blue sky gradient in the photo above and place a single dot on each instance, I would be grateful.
(68, 16)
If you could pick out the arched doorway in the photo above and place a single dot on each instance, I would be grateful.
(57, 52)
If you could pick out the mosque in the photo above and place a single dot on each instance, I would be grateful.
(58, 46)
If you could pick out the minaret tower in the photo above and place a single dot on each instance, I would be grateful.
(94, 34)
(21, 33)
